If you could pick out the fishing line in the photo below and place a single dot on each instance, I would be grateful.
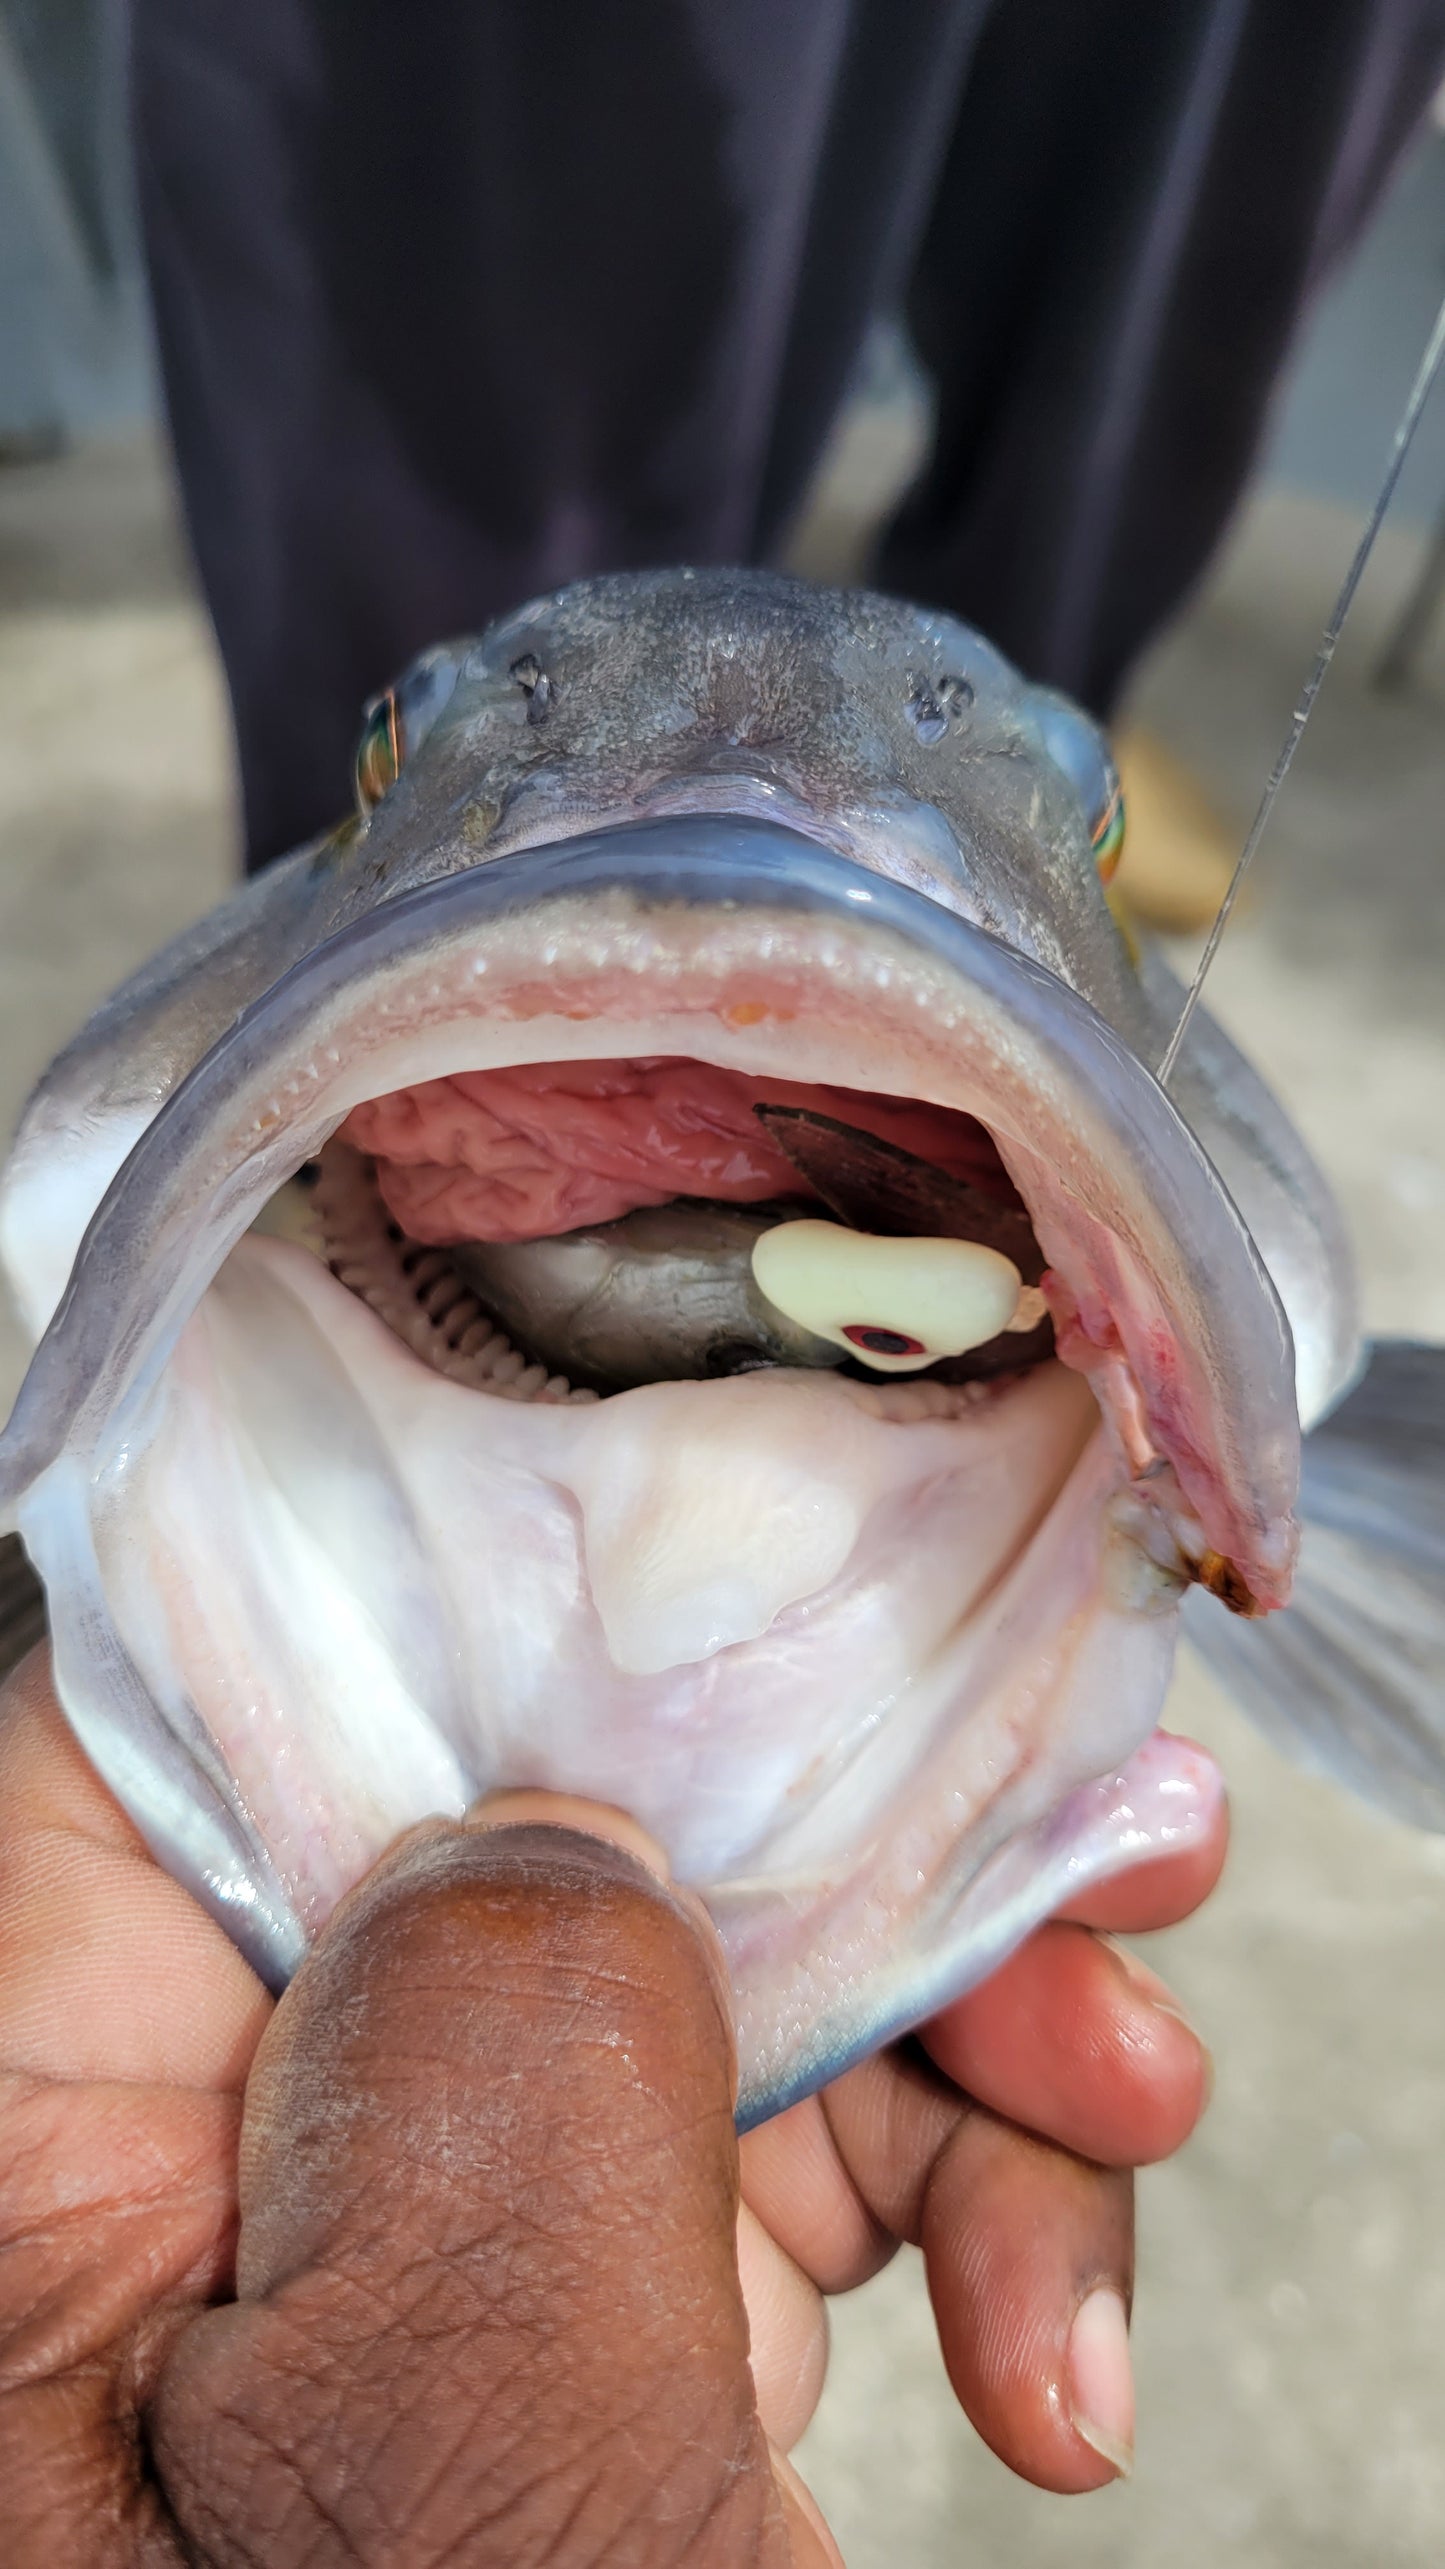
(1420, 393)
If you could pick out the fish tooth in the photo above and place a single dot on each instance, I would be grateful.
(895, 1304)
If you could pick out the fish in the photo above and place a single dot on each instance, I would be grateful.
(746, 946)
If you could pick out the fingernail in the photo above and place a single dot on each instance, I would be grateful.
(1101, 2379)
(522, 1810)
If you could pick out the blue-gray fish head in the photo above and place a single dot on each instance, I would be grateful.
(879, 1660)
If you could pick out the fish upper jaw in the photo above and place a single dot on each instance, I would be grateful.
(895, 835)
(1055, 917)
(738, 942)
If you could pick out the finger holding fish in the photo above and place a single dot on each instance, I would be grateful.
(1017, 2236)
(1077, 2038)
(1070, 2039)
(108, 1973)
(999, 2141)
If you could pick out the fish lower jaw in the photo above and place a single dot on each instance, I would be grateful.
(838, 1645)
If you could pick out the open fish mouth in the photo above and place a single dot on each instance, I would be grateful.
(332, 1544)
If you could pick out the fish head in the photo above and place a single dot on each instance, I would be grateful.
(902, 740)
(879, 1660)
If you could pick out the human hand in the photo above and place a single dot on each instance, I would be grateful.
(484, 2301)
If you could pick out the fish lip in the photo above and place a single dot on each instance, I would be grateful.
(727, 862)
(739, 795)
(730, 787)
(726, 786)
(729, 784)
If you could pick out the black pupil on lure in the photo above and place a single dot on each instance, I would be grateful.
(882, 1342)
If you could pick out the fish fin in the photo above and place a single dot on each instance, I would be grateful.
(22, 1604)
(1349, 1678)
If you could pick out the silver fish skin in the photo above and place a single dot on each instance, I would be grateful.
(880, 1664)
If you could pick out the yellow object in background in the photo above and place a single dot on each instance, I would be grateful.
(1178, 854)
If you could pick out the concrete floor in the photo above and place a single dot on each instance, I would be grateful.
(1290, 2330)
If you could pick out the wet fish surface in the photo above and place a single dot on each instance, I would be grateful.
(653, 1261)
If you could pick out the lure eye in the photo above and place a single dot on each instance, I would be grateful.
(881, 1342)
(381, 751)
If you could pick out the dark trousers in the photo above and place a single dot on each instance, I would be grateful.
(461, 299)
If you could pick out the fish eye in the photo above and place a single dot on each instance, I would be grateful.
(380, 751)
(1106, 837)
(397, 722)
(1078, 748)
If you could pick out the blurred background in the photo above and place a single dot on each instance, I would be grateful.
(1290, 2322)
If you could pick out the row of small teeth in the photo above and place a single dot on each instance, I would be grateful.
(417, 1291)
(928, 1297)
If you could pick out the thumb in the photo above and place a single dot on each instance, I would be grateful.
(487, 2292)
